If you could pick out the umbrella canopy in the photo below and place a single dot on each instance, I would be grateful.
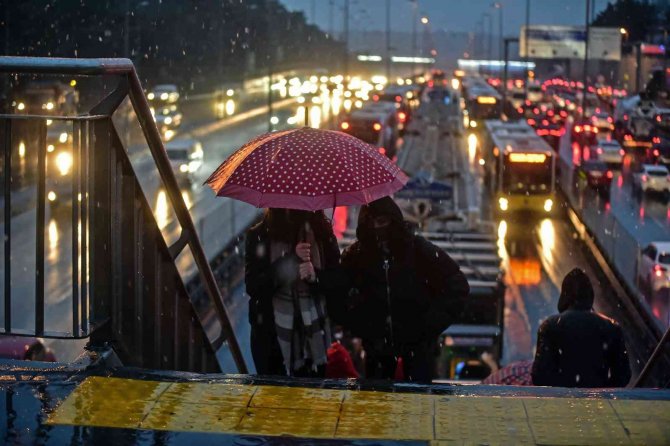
(514, 374)
(306, 169)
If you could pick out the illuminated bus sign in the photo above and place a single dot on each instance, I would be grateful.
(486, 100)
(527, 157)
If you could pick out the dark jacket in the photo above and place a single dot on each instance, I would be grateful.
(426, 288)
(580, 347)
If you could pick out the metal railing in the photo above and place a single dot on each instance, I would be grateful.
(126, 288)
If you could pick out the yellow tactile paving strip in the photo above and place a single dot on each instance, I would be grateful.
(323, 413)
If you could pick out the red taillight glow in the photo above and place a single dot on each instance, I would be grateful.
(382, 151)
(398, 98)
(622, 152)
(656, 140)
(656, 152)
(520, 110)
(609, 119)
(610, 175)
(377, 126)
(659, 270)
(600, 150)
(530, 121)
(402, 116)
(345, 126)
(578, 129)
(644, 178)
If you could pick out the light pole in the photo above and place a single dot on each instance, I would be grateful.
(505, 70)
(586, 57)
(499, 7)
(346, 41)
(489, 49)
(415, 5)
(525, 42)
(388, 40)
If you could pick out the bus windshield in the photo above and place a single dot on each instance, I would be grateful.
(527, 178)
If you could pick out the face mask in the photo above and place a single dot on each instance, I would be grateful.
(382, 234)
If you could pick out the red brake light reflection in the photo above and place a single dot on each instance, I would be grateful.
(345, 126)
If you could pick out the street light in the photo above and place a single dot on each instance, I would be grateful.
(623, 31)
(424, 20)
(499, 7)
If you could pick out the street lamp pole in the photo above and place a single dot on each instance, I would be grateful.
(586, 57)
(489, 49)
(499, 7)
(505, 71)
(346, 40)
(414, 20)
(525, 42)
(388, 40)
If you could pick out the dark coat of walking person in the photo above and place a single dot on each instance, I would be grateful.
(403, 292)
(290, 326)
(579, 347)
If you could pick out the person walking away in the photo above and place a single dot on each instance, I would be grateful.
(579, 347)
(290, 327)
(403, 293)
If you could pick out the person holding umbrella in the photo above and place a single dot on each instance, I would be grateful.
(290, 327)
(297, 174)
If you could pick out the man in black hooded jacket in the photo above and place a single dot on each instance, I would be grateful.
(580, 347)
(403, 292)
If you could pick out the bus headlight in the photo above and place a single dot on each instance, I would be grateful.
(64, 163)
(183, 168)
(548, 203)
(62, 137)
(473, 124)
(503, 203)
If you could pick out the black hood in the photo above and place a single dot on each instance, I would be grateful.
(382, 207)
(576, 292)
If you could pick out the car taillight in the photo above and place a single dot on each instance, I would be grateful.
(644, 178)
(656, 152)
(627, 137)
(377, 126)
(622, 152)
(578, 129)
(609, 119)
(599, 150)
(382, 151)
(610, 175)
(520, 110)
(659, 270)
(398, 98)
(402, 116)
(345, 125)
(656, 140)
(530, 121)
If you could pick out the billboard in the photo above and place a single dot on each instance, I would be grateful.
(567, 42)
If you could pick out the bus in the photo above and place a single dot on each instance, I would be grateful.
(482, 101)
(525, 169)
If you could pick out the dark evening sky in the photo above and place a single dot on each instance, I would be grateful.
(448, 15)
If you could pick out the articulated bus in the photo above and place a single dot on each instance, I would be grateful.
(525, 169)
(482, 101)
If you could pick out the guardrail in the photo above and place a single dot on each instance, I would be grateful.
(126, 288)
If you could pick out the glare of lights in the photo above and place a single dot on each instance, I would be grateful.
(547, 237)
(503, 203)
(623, 31)
(482, 161)
(301, 100)
(455, 84)
(472, 146)
(183, 168)
(151, 96)
(400, 81)
(230, 92)
(379, 87)
(21, 106)
(164, 96)
(323, 79)
(50, 148)
(473, 124)
(379, 79)
(358, 104)
(161, 211)
(62, 137)
(315, 117)
(73, 83)
(49, 105)
(313, 79)
(274, 120)
(368, 58)
(548, 204)
(347, 104)
(502, 229)
(64, 163)
(22, 149)
(49, 121)
(169, 134)
(53, 234)
(424, 20)
(230, 107)
(168, 120)
(187, 199)
(51, 196)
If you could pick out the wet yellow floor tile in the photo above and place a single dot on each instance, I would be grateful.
(109, 402)
(648, 432)
(578, 431)
(297, 398)
(215, 393)
(477, 407)
(642, 410)
(290, 422)
(567, 407)
(484, 429)
(399, 426)
(175, 416)
(384, 402)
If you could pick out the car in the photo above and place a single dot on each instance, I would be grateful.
(653, 265)
(163, 94)
(602, 120)
(548, 129)
(185, 156)
(584, 133)
(597, 175)
(652, 178)
(608, 151)
(168, 119)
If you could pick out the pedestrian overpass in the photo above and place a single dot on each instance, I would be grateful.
(151, 372)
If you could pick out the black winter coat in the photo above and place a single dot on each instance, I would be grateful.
(580, 348)
(427, 290)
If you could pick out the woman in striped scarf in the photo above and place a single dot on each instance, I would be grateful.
(290, 325)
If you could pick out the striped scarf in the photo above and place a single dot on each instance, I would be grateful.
(301, 321)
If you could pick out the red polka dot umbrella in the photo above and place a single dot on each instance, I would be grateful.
(306, 169)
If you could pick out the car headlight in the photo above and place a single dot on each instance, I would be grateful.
(21, 106)
(151, 96)
(230, 107)
(49, 105)
(503, 203)
(548, 203)
(51, 196)
(63, 137)
(473, 124)
(183, 168)
(168, 121)
(164, 96)
(64, 163)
